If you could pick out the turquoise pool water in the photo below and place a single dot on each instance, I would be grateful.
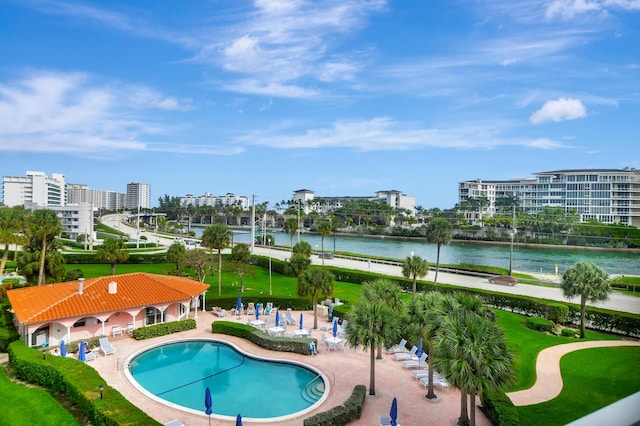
(179, 373)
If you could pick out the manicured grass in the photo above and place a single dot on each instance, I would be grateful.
(525, 344)
(22, 405)
(593, 378)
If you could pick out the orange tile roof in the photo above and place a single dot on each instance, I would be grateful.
(62, 300)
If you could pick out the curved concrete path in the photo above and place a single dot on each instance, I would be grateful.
(548, 383)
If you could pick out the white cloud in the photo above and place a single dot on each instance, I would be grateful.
(559, 110)
(568, 9)
(384, 133)
(74, 113)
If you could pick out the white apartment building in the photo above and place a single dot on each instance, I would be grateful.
(391, 198)
(606, 195)
(100, 199)
(208, 199)
(36, 188)
(138, 195)
(77, 219)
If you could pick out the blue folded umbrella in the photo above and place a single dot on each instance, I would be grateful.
(300, 320)
(63, 349)
(277, 319)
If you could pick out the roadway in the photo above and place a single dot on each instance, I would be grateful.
(616, 302)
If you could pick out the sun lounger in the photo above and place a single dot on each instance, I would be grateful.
(400, 347)
(106, 347)
(289, 318)
(404, 356)
(419, 374)
(412, 363)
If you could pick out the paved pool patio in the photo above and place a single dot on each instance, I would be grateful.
(344, 369)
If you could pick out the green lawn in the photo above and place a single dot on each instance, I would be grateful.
(525, 344)
(22, 405)
(593, 378)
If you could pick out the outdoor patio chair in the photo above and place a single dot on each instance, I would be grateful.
(400, 347)
(116, 330)
(419, 374)
(251, 309)
(412, 363)
(404, 356)
(385, 421)
(328, 345)
(106, 347)
(130, 328)
(289, 318)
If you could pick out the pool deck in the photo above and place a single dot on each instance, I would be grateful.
(344, 369)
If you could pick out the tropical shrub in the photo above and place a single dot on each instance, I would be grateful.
(163, 329)
(557, 312)
(342, 414)
(539, 324)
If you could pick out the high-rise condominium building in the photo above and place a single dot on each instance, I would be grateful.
(34, 189)
(606, 195)
(138, 195)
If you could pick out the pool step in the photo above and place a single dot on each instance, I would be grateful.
(313, 391)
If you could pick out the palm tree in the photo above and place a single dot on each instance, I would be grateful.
(317, 284)
(13, 222)
(439, 233)
(589, 282)
(301, 258)
(44, 224)
(217, 237)
(473, 356)
(112, 251)
(383, 291)
(413, 267)
(175, 253)
(424, 316)
(290, 227)
(324, 229)
(370, 324)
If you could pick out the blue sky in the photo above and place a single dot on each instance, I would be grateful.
(343, 97)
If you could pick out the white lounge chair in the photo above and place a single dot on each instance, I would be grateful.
(412, 363)
(106, 347)
(400, 347)
(289, 318)
(404, 356)
(327, 344)
(385, 421)
(419, 374)
(437, 380)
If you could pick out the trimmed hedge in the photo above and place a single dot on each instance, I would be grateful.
(262, 339)
(557, 312)
(8, 333)
(539, 324)
(500, 410)
(342, 414)
(163, 329)
(79, 382)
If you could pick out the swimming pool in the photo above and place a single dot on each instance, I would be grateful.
(177, 374)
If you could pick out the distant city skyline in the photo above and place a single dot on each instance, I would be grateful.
(340, 97)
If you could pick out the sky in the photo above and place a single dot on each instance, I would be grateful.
(341, 97)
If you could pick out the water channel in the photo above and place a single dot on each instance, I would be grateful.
(524, 259)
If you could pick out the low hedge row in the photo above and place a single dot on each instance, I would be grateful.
(79, 382)
(158, 330)
(342, 414)
(262, 339)
(8, 332)
(134, 258)
(500, 410)
(539, 324)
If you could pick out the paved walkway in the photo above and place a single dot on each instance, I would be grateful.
(343, 369)
(548, 384)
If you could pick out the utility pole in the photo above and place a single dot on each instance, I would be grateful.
(298, 201)
(513, 233)
(138, 227)
(253, 222)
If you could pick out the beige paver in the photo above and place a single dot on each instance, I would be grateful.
(343, 369)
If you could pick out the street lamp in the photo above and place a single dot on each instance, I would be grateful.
(101, 387)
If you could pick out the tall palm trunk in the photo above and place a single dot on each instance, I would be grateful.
(583, 302)
(435, 280)
(472, 408)
(42, 258)
(430, 393)
(219, 272)
(464, 415)
(379, 355)
(372, 372)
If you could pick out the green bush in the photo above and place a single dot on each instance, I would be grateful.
(569, 332)
(557, 312)
(500, 410)
(163, 329)
(79, 382)
(539, 324)
(262, 339)
(342, 414)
